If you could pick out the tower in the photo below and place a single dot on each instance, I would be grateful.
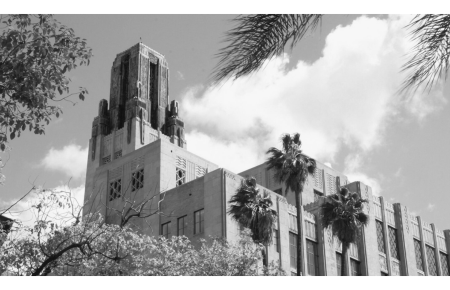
(139, 110)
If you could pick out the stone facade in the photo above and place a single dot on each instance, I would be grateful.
(138, 152)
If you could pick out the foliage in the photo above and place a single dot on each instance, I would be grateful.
(291, 165)
(61, 243)
(257, 38)
(260, 37)
(36, 52)
(432, 51)
(343, 213)
(252, 210)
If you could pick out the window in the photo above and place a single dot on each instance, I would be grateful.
(312, 258)
(180, 176)
(393, 243)
(137, 180)
(199, 221)
(181, 226)
(380, 237)
(418, 252)
(444, 264)
(276, 240)
(165, 230)
(339, 264)
(115, 189)
(432, 270)
(355, 267)
(317, 195)
(293, 249)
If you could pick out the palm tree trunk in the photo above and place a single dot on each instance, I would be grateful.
(265, 256)
(298, 204)
(344, 267)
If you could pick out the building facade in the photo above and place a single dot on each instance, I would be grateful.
(138, 153)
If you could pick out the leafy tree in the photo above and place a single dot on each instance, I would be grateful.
(343, 212)
(36, 52)
(292, 168)
(252, 210)
(61, 243)
(257, 38)
(59, 236)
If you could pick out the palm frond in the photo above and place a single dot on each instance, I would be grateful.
(290, 164)
(257, 38)
(253, 211)
(343, 212)
(431, 53)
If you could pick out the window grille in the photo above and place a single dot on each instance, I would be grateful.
(137, 180)
(393, 244)
(331, 184)
(115, 189)
(276, 240)
(431, 258)
(444, 264)
(180, 176)
(339, 263)
(380, 237)
(199, 221)
(181, 226)
(293, 250)
(293, 223)
(312, 258)
(165, 230)
(418, 252)
(355, 267)
(199, 171)
(318, 178)
(106, 159)
(118, 154)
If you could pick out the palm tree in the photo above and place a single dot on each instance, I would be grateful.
(343, 212)
(291, 169)
(252, 210)
(257, 38)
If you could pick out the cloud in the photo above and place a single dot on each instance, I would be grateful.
(71, 160)
(346, 98)
(431, 206)
(353, 170)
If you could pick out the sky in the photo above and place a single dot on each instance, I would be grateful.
(337, 88)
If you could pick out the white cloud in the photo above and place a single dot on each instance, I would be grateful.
(431, 206)
(71, 160)
(353, 167)
(345, 98)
